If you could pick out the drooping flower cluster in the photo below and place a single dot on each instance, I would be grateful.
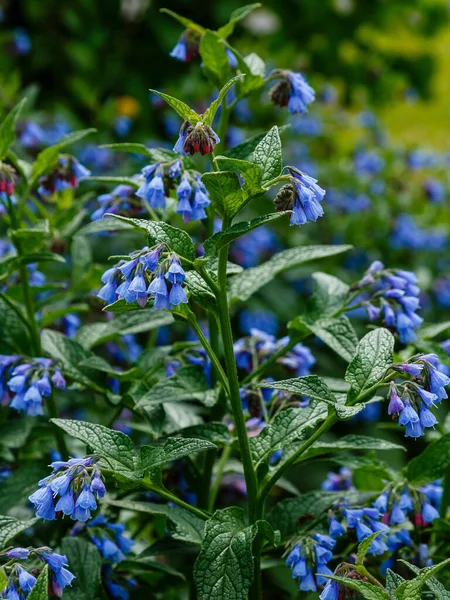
(308, 560)
(7, 178)
(410, 402)
(20, 581)
(28, 381)
(196, 138)
(394, 298)
(364, 521)
(336, 482)
(77, 482)
(403, 501)
(121, 200)
(187, 47)
(302, 196)
(65, 175)
(292, 91)
(144, 276)
(109, 539)
(407, 234)
(191, 193)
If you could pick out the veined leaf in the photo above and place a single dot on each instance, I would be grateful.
(225, 191)
(431, 463)
(185, 111)
(251, 174)
(10, 527)
(210, 112)
(236, 16)
(8, 128)
(40, 588)
(215, 62)
(268, 155)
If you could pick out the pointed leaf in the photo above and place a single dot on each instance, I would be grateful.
(185, 111)
(8, 128)
(236, 16)
(210, 112)
(225, 191)
(40, 588)
(215, 62)
(431, 463)
(268, 155)
(251, 174)
(85, 563)
(10, 527)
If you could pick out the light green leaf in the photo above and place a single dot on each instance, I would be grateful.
(159, 232)
(3, 579)
(134, 322)
(337, 333)
(173, 449)
(186, 526)
(369, 591)
(373, 356)
(268, 155)
(428, 332)
(365, 545)
(116, 447)
(10, 527)
(8, 128)
(85, 563)
(128, 147)
(393, 581)
(188, 383)
(40, 588)
(214, 58)
(210, 112)
(412, 589)
(81, 253)
(32, 239)
(185, 112)
(183, 20)
(245, 284)
(46, 159)
(329, 295)
(288, 426)
(246, 149)
(256, 65)
(431, 463)
(236, 16)
(213, 244)
(251, 174)
(224, 567)
(432, 583)
(310, 386)
(225, 191)
(105, 225)
(350, 442)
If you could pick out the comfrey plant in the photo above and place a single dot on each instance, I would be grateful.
(167, 422)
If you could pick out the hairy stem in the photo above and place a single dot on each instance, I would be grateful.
(148, 485)
(218, 478)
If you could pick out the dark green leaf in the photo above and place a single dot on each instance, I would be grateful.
(369, 591)
(246, 149)
(40, 588)
(13, 325)
(180, 107)
(268, 155)
(10, 527)
(210, 112)
(393, 581)
(214, 59)
(8, 128)
(431, 463)
(85, 563)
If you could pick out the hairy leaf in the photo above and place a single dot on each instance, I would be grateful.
(225, 191)
(8, 128)
(40, 588)
(10, 527)
(85, 563)
(180, 107)
(431, 463)
(268, 156)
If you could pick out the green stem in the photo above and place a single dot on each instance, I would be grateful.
(218, 478)
(148, 485)
(59, 435)
(235, 398)
(270, 361)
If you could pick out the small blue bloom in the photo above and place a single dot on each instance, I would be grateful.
(26, 580)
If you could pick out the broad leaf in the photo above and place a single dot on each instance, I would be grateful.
(246, 149)
(412, 590)
(337, 333)
(432, 583)
(365, 545)
(185, 112)
(108, 224)
(373, 357)
(16, 488)
(350, 442)
(236, 16)
(173, 449)
(431, 463)
(13, 325)
(329, 295)
(85, 563)
(128, 147)
(111, 180)
(224, 567)
(214, 59)
(268, 155)
(225, 191)
(186, 526)
(10, 527)
(250, 172)
(32, 239)
(215, 432)
(393, 581)
(310, 386)
(245, 284)
(8, 129)
(40, 588)
(368, 591)
(210, 112)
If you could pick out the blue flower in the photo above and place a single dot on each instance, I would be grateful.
(26, 580)
(292, 91)
(21, 553)
(152, 190)
(429, 513)
(330, 591)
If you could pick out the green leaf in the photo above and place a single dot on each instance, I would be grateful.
(183, 20)
(210, 112)
(128, 147)
(177, 240)
(286, 515)
(105, 225)
(432, 583)
(288, 425)
(373, 357)
(85, 563)
(213, 244)
(393, 581)
(40, 588)
(365, 545)
(329, 295)
(116, 447)
(173, 449)
(32, 239)
(186, 526)
(251, 174)
(412, 589)
(10, 527)
(225, 191)
(337, 333)
(350, 442)
(236, 16)
(268, 155)
(369, 591)
(224, 567)
(180, 107)
(188, 383)
(106, 179)
(16, 488)
(246, 149)
(214, 58)
(3, 579)
(245, 284)
(215, 432)
(431, 463)
(46, 159)
(134, 322)
(8, 128)
(14, 328)
(310, 386)
(70, 353)
(199, 290)
(81, 253)
(428, 332)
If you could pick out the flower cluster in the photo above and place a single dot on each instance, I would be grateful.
(399, 502)
(77, 482)
(196, 138)
(364, 521)
(64, 176)
(302, 196)
(121, 200)
(28, 381)
(410, 402)
(191, 193)
(336, 482)
(20, 582)
(394, 298)
(7, 178)
(144, 276)
(308, 560)
(292, 91)
(187, 47)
